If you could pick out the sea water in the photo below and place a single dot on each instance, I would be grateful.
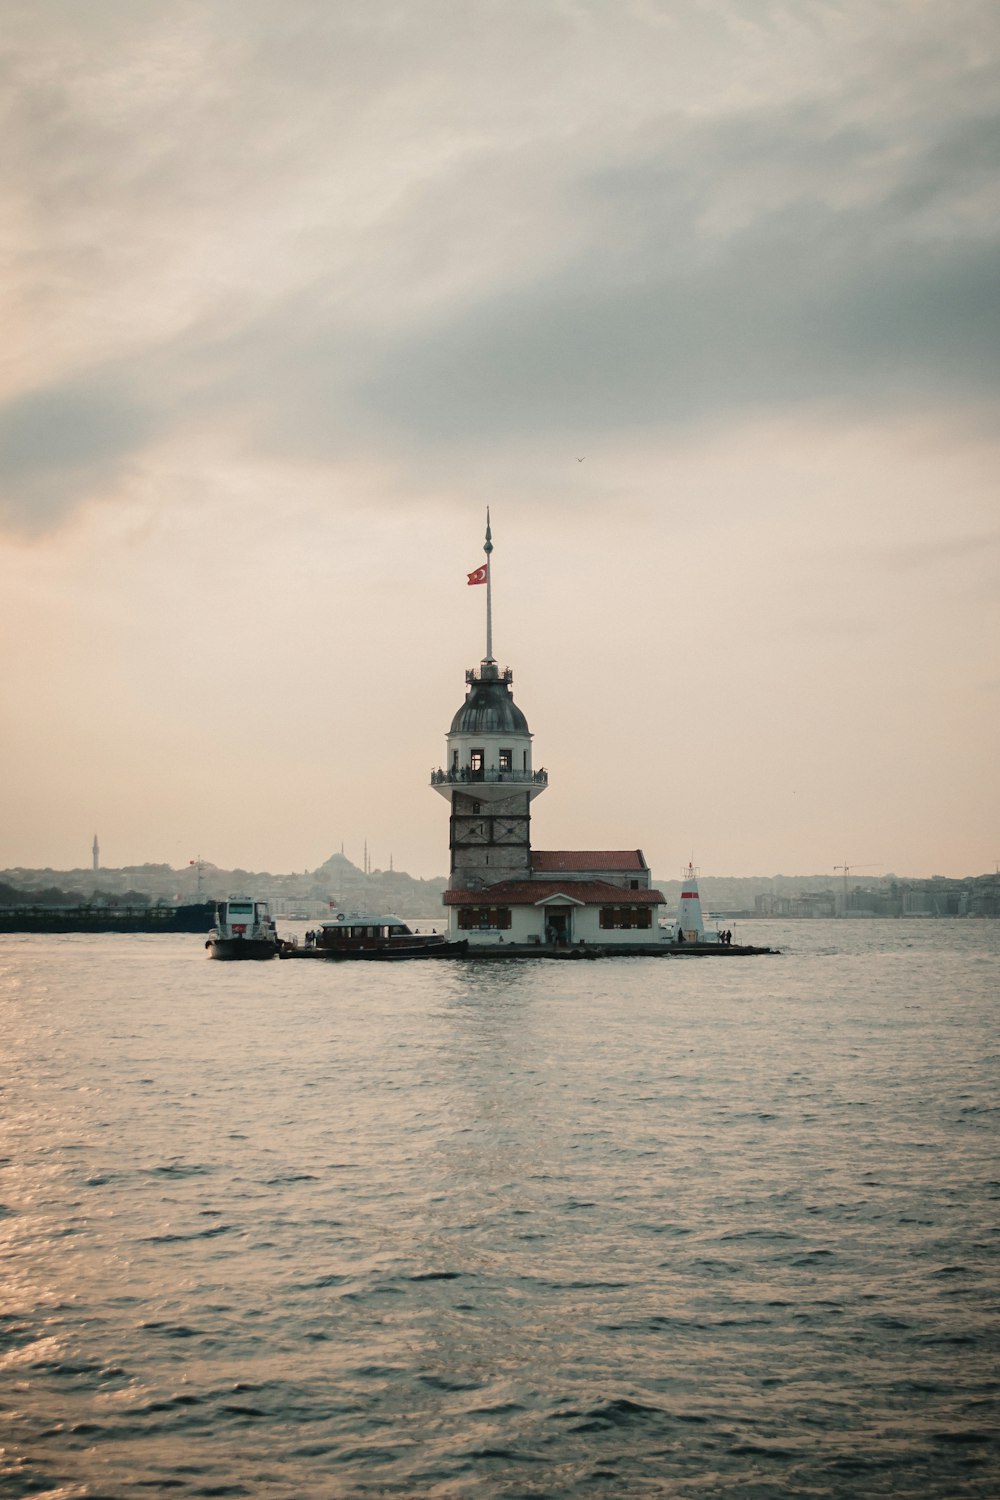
(693, 1227)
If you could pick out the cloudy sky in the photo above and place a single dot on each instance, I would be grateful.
(294, 289)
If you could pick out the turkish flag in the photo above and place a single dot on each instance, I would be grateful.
(479, 576)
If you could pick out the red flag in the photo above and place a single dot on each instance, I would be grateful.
(479, 576)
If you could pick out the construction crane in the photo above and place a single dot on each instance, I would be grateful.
(871, 865)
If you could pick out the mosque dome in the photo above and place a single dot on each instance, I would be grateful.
(489, 707)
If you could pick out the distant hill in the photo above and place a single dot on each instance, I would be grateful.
(338, 882)
(739, 892)
(335, 882)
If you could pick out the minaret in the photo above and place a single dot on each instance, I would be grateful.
(96, 851)
(488, 777)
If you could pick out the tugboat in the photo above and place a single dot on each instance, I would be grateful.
(244, 928)
(371, 936)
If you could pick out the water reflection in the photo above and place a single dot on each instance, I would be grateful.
(521, 1228)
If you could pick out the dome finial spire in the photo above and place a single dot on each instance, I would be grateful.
(488, 548)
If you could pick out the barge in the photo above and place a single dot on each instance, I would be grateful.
(97, 917)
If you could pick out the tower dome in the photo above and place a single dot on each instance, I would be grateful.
(489, 706)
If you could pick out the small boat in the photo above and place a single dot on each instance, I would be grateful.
(366, 935)
(244, 928)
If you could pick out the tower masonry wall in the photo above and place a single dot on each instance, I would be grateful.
(490, 839)
(471, 804)
(473, 870)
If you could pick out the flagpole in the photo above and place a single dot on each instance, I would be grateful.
(488, 548)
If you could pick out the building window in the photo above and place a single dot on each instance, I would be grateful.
(454, 760)
(477, 759)
(633, 885)
(484, 918)
(626, 916)
(506, 760)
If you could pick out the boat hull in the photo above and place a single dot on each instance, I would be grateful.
(391, 952)
(240, 948)
(196, 917)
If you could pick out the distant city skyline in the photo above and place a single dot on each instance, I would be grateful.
(702, 302)
(857, 876)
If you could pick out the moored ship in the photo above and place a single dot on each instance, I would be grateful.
(368, 935)
(106, 916)
(244, 929)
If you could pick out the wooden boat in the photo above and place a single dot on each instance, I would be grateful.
(368, 935)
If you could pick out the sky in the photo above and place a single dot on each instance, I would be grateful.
(700, 297)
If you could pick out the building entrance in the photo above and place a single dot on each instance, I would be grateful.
(558, 924)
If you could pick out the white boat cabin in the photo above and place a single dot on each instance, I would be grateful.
(245, 917)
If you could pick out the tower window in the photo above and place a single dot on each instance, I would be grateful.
(454, 760)
(477, 759)
(506, 760)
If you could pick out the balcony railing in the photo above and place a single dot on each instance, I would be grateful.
(489, 672)
(462, 775)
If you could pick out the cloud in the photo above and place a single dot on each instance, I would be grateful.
(321, 234)
(773, 258)
(62, 444)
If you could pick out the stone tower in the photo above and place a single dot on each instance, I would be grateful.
(488, 777)
(490, 782)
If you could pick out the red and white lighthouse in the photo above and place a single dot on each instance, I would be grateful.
(689, 918)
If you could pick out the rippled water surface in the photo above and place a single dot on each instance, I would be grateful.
(642, 1227)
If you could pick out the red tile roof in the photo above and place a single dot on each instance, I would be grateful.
(531, 892)
(548, 861)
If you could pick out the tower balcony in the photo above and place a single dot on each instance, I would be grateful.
(487, 781)
(488, 671)
(466, 775)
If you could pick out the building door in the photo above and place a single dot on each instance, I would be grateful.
(558, 922)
